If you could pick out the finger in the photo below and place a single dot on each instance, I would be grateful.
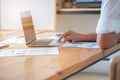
(67, 38)
(60, 38)
(64, 35)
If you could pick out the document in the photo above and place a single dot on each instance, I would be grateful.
(81, 44)
(3, 45)
(14, 40)
(26, 52)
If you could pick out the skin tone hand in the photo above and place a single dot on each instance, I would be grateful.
(104, 41)
(69, 36)
(72, 36)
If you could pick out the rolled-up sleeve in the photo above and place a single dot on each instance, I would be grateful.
(110, 17)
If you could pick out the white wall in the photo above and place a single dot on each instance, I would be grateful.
(43, 13)
(77, 22)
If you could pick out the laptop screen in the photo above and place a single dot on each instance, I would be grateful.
(28, 27)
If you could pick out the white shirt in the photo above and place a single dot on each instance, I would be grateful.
(110, 17)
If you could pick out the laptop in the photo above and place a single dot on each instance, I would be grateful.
(29, 32)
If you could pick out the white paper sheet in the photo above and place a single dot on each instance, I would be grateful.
(81, 44)
(25, 52)
(14, 40)
(3, 45)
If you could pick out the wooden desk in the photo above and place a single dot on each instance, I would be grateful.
(47, 67)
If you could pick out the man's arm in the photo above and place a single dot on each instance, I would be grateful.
(104, 41)
(107, 40)
(72, 36)
(108, 27)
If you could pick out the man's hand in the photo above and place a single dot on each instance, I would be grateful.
(70, 36)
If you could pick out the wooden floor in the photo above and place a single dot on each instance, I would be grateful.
(89, 76)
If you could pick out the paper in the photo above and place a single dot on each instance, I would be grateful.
(3, 45)
(25, 52)
(81, 44)
(14, 40)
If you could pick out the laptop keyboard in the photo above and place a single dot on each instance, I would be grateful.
(42, 42)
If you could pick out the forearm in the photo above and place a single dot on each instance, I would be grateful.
(88, 37)
(107, 40)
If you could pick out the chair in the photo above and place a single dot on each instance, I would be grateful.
(115, 68)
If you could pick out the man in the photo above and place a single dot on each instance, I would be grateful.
(108, 28)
